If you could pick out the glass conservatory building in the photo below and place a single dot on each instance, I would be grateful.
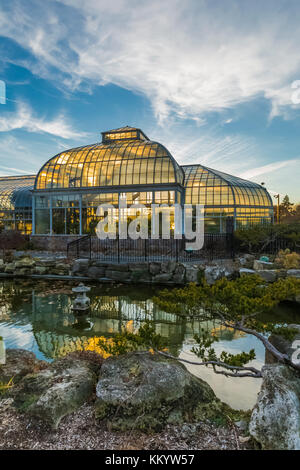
(16, 203)
(70, 186)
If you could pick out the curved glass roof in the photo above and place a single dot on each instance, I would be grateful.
(125, 157)
(215, 188)
(15, 192)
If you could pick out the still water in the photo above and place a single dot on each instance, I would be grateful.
(37, 316)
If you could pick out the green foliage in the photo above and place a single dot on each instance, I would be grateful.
(126, 341)
(6, 386)
(235, 302)
(288, 259)
(255, 238)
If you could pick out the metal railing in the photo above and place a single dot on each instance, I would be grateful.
(216, 246)
(80, 248)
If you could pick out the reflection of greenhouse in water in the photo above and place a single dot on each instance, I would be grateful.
(58, 331)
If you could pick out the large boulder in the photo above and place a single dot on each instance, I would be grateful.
(25, 263)
(214, 273)
(284, 345)
(56, 391)
(260, 265)
(19, 363)
(80, 267)
(145, 391)
(293, 273)
(275, 420)
(268, 275)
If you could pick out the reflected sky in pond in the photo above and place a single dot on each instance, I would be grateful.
(38, 316)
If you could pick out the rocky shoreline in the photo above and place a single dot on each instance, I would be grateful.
(136, 401)
(45, 265)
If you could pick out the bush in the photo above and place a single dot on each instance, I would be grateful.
(13, 240)
(288, 259)
(259, 238)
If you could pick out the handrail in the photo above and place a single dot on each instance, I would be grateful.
(76, 243)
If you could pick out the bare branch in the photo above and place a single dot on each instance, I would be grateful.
(247, 371)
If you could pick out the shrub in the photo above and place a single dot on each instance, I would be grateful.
(288, 259)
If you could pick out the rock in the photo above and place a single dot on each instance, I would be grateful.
(293, 273)
(179, 274)
(119, 267)
(168, 266)
(242, 425)
(62, 267)
(141, 276)
(163, 277)
(19, 363)
(268, 276)
(259, 265)
(57, 391)
(48, 263)
(23, 271)
(275, 420)
(118, 275)
(191, 274)
(282, 344)
(246, 261)
(154, 268)
(80, 267)
(246, 272)
(214, 273)
(9, 268)
(143, 266)
(25, 263)
(40, 270)
(144, 391)
(95, 272)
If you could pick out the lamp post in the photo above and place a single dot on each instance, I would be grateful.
(277, 196)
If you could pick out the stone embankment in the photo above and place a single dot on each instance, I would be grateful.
(156, 272)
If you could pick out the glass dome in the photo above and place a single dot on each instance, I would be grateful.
(15, 192)
(215, 188)
(125, 157)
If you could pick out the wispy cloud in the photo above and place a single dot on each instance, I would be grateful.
(270, 168)
(188, 58)
(24, 118)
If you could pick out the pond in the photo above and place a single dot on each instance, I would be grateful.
(37, 316)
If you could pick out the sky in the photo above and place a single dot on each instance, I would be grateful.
(216, 81)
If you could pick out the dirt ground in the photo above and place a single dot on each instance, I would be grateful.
(81, 431)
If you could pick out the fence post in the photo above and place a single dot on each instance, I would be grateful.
(118, 248)
(230, 236)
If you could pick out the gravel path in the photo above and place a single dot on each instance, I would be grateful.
(80, 431)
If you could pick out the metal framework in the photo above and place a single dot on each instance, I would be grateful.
(70, 186)
(16, 203)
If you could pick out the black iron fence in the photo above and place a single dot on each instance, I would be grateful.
(216, 246)
(270, 248)
(80, 248)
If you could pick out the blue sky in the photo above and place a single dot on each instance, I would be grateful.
(210, 79)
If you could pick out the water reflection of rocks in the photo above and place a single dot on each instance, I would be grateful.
(57, 330)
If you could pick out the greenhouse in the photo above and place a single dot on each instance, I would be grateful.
(16, 203)
(126, 164)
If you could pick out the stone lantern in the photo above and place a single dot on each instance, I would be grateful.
(81, 302)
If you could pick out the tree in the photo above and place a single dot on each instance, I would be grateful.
(238, 304)
(257, 238)
(286, 210)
